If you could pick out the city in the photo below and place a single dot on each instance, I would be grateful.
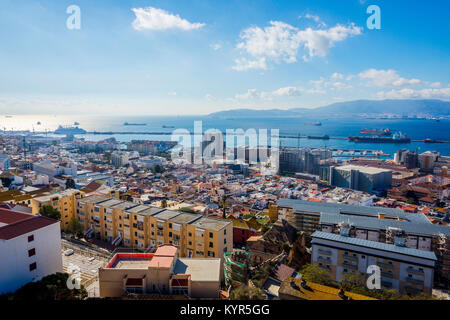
(217, 159)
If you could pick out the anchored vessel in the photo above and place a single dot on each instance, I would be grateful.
(69, 130)
(396, 138)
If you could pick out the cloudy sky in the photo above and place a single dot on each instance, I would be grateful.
(197, 56)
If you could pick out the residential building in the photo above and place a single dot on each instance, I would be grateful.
(160, 273)
(4, 162)
(404, 269)
(144, 227)
(368, 179)
(30, 248)
(64, 202)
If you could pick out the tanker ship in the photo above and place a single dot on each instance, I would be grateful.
(396, 138)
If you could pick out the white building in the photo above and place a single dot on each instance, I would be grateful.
(30, 249)
(52, 170)
(4, 162)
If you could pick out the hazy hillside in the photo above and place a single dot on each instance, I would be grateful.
(402, 107)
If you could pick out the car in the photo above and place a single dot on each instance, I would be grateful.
(91, 259)
(68, 252)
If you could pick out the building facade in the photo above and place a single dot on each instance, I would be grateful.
(30, 248)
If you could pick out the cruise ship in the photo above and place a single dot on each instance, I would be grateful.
(69, 130)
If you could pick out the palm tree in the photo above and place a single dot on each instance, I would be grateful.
(224, 203)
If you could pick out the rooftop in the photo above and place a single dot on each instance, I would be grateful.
(211, 224)
(200, 269)
(365, 169)
(373, 245)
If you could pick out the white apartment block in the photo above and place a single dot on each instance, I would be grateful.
(30, 249)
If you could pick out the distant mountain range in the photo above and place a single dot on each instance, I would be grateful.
(357, 107)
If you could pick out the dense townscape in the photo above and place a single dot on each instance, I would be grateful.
(122, 220)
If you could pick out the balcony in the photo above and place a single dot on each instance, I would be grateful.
(387, 275)
(349, 265)
(324, 259)
(385, 265)
(349, 257)
(414, 280)
(415, 271)
(325, 252)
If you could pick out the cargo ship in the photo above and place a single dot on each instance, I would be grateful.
(428, 140)
(325, 137)
(382, 132)
(134, 124)
(396, 138)
(316, 124)
(69, 130)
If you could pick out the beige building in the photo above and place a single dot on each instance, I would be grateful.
(144, 227)
(404, 269)
(64, 201)
(162, 272)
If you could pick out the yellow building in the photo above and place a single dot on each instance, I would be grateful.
(64, 201)
(144, 227)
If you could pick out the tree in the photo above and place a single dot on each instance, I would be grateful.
(246, 293)
(313, 273)
(70, 183)
(163, 203)
(50, 212)
(156, 169)
(223, 202)
(285, 247)
(51, 287)
(75, 227)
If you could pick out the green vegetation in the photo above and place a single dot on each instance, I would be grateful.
(246, 293)
(356, 284)
(70, 183)
(51, 287)
(75, 227)
(163, 203)
(157, 169)
(50, 212)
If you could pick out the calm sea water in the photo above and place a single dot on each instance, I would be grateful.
(415, 129)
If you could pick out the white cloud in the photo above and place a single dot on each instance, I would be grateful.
(158, 19)
(244, 64)
(337, 75)
(253, 94)
(436, 85)
(288, 92)
(209, 97)
(387, 78)
(341, 86)
(172, 93)
(280, 42)
(408, 93)
(216, 46)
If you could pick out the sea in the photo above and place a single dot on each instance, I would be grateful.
(339, 128)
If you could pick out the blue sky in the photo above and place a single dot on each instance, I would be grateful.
(198, 56)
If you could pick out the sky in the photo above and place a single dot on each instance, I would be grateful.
(185, 57)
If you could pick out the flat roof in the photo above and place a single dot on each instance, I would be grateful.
(138, 208)
(347, 209)
(167, 214)
(150, 211)
(200, 269)
(110, 203)
(380, 224)
(125, 205)
(211, 224)
(95, 198)
(365, 169)
(185, 218)
(374, 245)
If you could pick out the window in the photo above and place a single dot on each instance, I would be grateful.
(152, 225)
(225, 231)
(170, 234)
(190, 243)
(211, 235)
(363, 257)
(135, 217)
(211, 245)
(170, 226)
(190, 234)
(31, 252)
(33, 266)
(31, 238)
(135, 234)
(225, 241)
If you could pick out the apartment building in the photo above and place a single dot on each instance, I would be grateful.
(30, 248)
(378, 224)
(160, 273)
(65, 202)
(144, 227)
(404, 269)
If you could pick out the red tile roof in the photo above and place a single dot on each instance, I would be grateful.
(19, 223)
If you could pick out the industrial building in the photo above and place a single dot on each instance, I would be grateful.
(362, 178)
